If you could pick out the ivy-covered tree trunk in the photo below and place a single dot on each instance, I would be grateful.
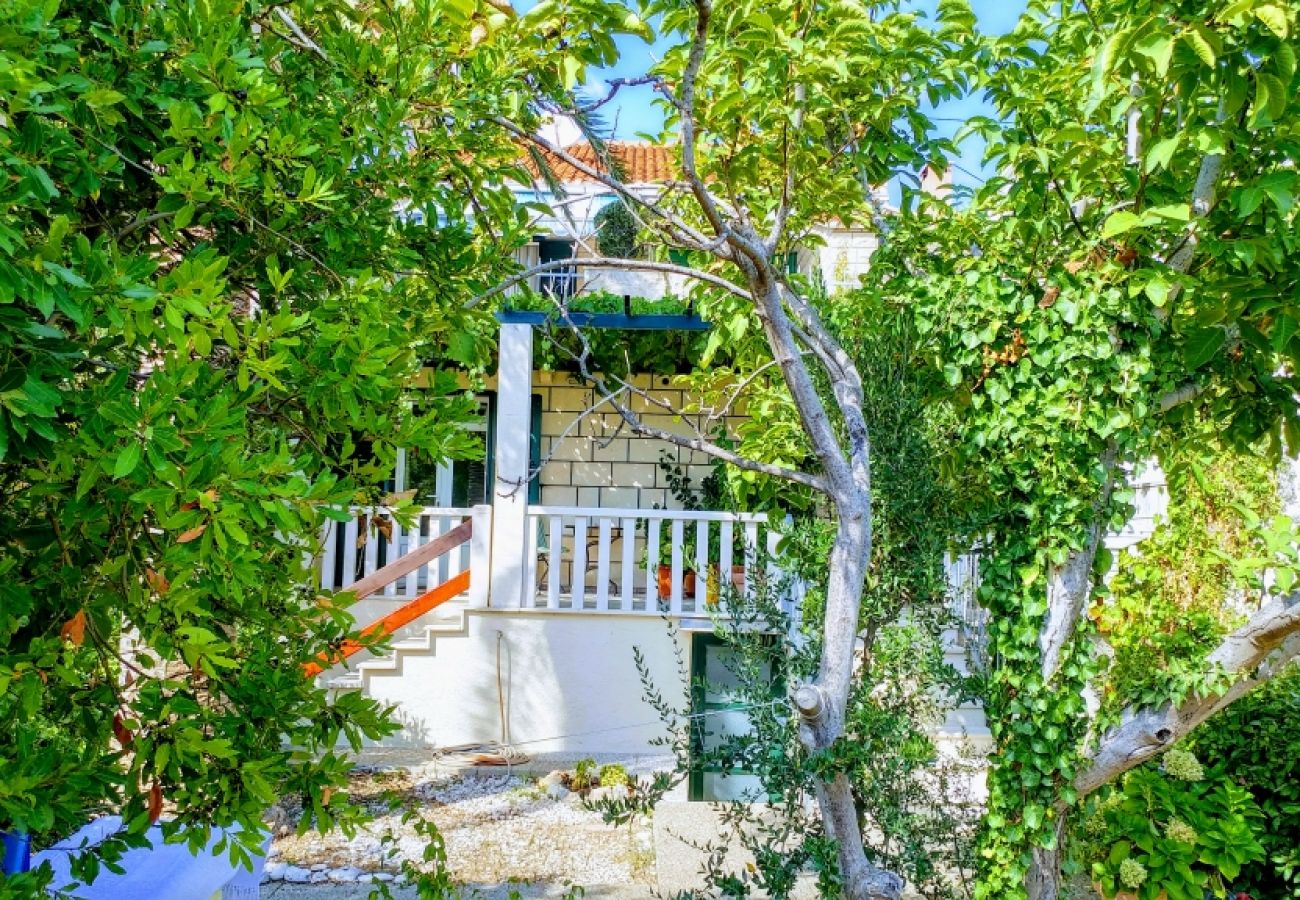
(1036, 718)
(1043, 880)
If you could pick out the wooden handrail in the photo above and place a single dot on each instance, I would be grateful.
(409, 612)
(380, 578)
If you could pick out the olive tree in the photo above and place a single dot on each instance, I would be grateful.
(783, 117)
(1123, 284)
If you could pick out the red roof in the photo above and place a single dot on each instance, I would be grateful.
(638, 162)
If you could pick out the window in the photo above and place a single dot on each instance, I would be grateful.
(458, 483)
(562, 282)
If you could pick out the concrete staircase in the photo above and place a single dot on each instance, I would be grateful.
(419, 638)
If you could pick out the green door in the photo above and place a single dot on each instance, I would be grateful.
(719, 711)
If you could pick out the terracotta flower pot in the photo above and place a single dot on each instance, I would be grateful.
(666, 582)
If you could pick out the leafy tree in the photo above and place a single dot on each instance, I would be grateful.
(616, 231)
(783, 116)
(1128, 273)
(1131, 295)
(234, 237)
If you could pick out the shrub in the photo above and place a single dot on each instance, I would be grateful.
(616, 231)
(1256, 744)
(613, 775)
(1172, 829)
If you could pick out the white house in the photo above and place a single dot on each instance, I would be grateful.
(524, 627)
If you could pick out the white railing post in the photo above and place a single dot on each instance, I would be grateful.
(510, 491)
(329, 541)
(480, 556)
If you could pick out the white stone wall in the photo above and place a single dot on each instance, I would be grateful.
(596, 461)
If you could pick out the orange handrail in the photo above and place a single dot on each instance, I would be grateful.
(408, 613)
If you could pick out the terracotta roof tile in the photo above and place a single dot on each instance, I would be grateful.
(639, 162)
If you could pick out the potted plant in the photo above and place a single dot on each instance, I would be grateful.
(712, 494)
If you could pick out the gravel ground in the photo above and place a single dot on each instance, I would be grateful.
(472, 892)
(497, 828)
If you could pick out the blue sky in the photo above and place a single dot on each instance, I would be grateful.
(632, 111)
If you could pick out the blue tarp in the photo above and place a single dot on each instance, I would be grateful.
(157, 872)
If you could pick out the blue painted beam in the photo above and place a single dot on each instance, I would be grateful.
(616, 321)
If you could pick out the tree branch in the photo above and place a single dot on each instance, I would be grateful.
(612, 262)
(1207, 179)
(1253, 653)
(686, 107)
(302, 39)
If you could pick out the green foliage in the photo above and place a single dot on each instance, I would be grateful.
(616, 231)
(1176, 595)
(916, 813)
(1059, 337)
(1256, 744)
(623, 353)
(212, 329)
(613, 775)
(1172, 833)
(586, 775)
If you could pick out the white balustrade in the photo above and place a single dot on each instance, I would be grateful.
(613, 560)
(349, 553)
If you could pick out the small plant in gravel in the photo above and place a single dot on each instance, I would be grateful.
(613, 775)
(585, 776)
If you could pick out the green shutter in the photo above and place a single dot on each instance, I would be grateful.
(535, 449)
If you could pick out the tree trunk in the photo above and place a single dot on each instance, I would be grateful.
(1043, 880)
(822, 705)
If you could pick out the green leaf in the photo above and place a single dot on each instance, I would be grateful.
(1274, 18)
(67, 275)
(1195, 38)
(1157, 290)
(1177, 212)
(1118, 223)
(101, 97)
(1101, 69)
(1161, 152)
(1201, 344)
(1159, 48)
(1284, 328)
(572, 71)
(127, 460)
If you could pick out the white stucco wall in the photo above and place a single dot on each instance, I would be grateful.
(568, 679)
(845, 256)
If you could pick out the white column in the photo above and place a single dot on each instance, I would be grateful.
(480, 557)
(510, 490)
